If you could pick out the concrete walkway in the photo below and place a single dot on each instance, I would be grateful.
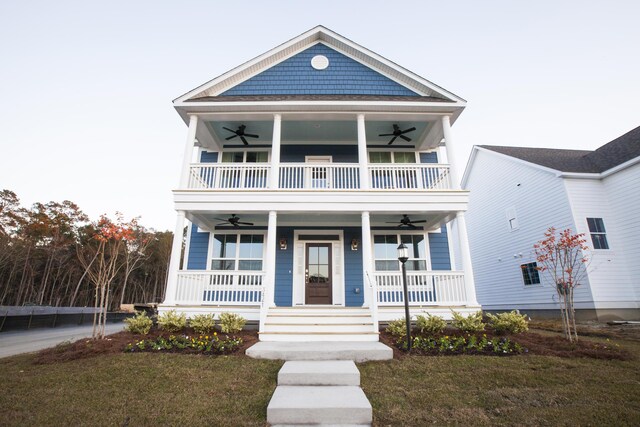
(18, 342)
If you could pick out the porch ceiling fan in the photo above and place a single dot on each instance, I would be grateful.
(233, 220)
(406, 222)
(398, 133)
(240, 132)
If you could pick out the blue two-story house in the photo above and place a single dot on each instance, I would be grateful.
(304, 170)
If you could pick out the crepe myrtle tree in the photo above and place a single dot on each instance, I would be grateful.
(562, 255)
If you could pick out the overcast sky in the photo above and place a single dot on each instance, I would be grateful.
(86, 87)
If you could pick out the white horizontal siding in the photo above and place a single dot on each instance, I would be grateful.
(608, 272)
(498, 183)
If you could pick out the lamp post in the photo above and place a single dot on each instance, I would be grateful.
(403, 256)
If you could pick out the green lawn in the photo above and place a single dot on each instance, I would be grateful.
(173, 389)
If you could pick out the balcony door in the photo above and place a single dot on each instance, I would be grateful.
(318, 273)
(318, 176)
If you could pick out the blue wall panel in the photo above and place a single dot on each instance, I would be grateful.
(198, 250)
(208, 157)
(353, 286)
(439, 249)
(283, 293)
(340, 153)
(431, 157)
(296, 76)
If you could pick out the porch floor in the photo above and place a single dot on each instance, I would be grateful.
(320, 350)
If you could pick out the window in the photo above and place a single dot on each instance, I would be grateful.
(237, 252)
(244, 177)
(512, 219)
(598, 233)
(386, 253)
(530, 273)
(245, 157)
(392, 157)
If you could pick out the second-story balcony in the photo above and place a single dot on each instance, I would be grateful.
(319, 177)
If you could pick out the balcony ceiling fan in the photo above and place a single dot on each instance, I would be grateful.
(398, 133)
(233, 220)
(240, 132)
(406, 222)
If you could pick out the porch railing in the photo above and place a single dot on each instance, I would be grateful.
(220, 287)
(409, 177)
(314, 176)
(222, 176)
(424, 288)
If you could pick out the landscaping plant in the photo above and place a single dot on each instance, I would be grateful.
(562, 256)
(508, 322)
(470, 323)
(231, 323)
(397, 328)
(171, 321)
(430, 324)
(203, 323)
(140, 324)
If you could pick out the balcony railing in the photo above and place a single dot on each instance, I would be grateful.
(424, 288)
(219, 287)
(319, 177)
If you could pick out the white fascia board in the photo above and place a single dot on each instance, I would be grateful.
(516, 160)
(467, 169)
(195, 107)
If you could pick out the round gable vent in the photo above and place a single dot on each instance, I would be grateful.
(319, 62)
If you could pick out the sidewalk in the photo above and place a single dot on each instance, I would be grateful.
(18, 342)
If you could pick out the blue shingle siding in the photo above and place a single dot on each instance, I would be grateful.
(198, 250)
(340, 153)
(208, 157)
(296, 76)
(283, 292)
(439, 249)
(431, 157)
(353, 269)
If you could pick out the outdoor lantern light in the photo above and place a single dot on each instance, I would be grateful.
(282, 243)
(403, 256)
(354, 244)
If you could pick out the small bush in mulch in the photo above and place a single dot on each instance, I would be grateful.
(117, 343)
(208, 344)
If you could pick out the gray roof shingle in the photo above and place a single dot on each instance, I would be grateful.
(612, 154)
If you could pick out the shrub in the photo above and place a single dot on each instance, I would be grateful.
(397, 328)
(140, 324)
(470, 323)
(203, 343)
(512, 322)
(203, 323)
(430, 324)
(231, 323)
(171, 321)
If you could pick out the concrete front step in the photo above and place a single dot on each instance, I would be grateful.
(328, 405)
(321, 350)
(303, 328)
(320, 373)
(319, 336)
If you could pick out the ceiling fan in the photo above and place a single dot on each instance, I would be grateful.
(233, 220)
(398, 133)
(240, 132)
(406, 222)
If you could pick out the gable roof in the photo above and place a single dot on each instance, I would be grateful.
(610, 155)
(396, 78)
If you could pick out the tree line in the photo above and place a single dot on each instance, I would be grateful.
(53, 254)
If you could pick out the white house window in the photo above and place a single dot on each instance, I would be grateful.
(237, 252)
(512, 219)
(386, 254)
(245, 157)
(392, 157)
(598, 233)
(530, 273)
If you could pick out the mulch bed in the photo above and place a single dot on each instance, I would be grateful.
(536, 344)
(115, 343)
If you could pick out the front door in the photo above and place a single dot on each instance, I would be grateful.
(318, 274)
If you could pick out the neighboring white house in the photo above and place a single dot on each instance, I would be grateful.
(517, 193)
(304, 169)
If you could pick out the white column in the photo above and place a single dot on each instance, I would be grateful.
(188, 151)
(448, 141)
(465, 253)
(367, 258)
(362, 154)
(270, 268)
(275, 151)
(174, 261)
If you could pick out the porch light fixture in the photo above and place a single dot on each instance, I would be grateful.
(354, 244)
(403, 256)
(282, 243)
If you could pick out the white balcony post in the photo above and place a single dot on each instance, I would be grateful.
(174, 261)
(188, 151)
(270, 269)
(367, 257)
(362, 153)
(275, 151)
(448, 140)
(465, 253)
